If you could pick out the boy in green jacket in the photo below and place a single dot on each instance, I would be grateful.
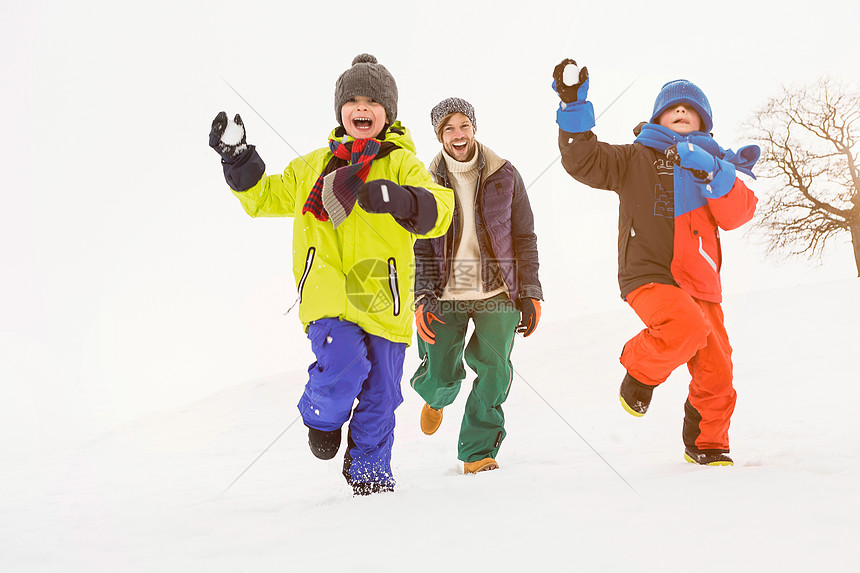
(358, 206)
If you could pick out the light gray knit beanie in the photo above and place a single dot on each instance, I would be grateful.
(452, 105)
(367, 78)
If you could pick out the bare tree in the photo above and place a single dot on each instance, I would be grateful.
(809, 138)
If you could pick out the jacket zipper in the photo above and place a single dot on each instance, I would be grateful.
(392, 284)
(511, 376)
(426, 370)
(309, 261)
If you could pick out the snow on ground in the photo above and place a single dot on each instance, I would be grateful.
(583, 485)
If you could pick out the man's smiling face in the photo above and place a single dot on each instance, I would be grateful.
(681, 118)
(458, 137)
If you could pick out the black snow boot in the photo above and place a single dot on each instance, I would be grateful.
(347, 457)
(359, 488)
(708, 457)
(324, 445)
(635, 396)
(362, 488)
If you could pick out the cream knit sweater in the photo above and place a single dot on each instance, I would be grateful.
(464, 280)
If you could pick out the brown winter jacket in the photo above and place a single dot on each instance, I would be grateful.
(654, 243)
(505, 229)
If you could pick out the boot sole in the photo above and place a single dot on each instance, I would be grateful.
(629, 409)
(484, 468)
(692, 461)
(430, 432)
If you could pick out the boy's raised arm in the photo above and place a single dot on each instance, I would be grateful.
(575, 114)
(244, 170)
(586, 159)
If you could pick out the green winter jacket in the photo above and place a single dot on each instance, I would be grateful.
(363, 271)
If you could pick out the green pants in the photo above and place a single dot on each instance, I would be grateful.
(488, 353)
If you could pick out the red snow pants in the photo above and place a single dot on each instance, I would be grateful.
(681, 329)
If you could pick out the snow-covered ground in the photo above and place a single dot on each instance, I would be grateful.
(583, 486)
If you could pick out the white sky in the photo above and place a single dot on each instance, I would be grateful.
(132, 280)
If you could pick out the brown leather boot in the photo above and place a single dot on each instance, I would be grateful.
(431, 419)
(484, 465)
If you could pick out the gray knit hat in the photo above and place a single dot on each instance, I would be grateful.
(452, 105)
(366, 78)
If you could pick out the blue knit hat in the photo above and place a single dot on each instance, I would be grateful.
(683, 91)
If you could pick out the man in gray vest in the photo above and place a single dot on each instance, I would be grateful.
(485, 269)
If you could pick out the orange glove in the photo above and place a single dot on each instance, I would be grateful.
(425, 314)
(530, 309)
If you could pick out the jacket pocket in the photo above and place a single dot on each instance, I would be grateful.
(625, 235)
(309, 263)
(393, 285)
(708, 259)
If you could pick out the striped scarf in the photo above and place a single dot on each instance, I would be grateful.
(334, 192)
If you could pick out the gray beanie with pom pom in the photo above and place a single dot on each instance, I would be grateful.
(367, 78)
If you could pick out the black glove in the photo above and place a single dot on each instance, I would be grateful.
(229, 152)
(570, 93)
(384, 196)
(530, 309)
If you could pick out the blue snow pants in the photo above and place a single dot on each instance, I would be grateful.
(352, 364)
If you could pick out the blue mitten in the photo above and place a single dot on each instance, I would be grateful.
(575, 114)
(694, 158)
(716, 176)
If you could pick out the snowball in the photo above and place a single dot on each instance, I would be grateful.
(570, 76)
(233, 133)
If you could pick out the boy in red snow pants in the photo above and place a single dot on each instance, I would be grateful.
(682, 329)
(677, 187)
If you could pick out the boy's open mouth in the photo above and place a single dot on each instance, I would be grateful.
(459, 146)
(362, 122)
